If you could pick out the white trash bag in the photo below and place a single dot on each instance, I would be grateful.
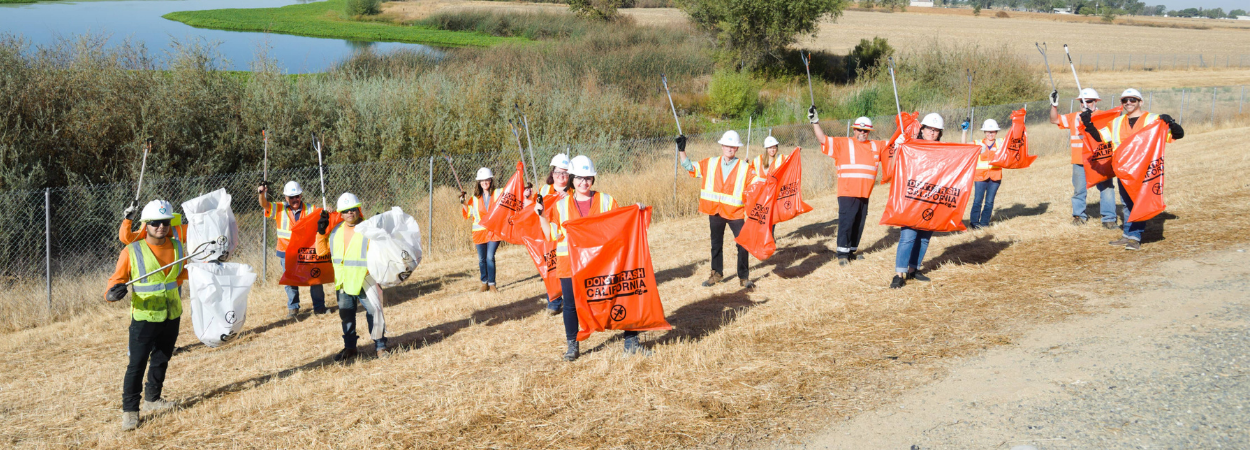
(373, 305)
(219, 299)
(394, 246)
(210, 219)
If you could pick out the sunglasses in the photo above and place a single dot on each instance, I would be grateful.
(582, 179)
(1089, 102)
(294, 197)
(353, 210)
(158, 223)
(1129, 100)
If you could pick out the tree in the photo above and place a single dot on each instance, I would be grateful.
(598, 9)
(1236, 12)
(747, 31)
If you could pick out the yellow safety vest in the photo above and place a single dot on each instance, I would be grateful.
(563, 206)
(349, 261)
(155, 297)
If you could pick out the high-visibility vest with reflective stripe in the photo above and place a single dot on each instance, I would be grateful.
(757, 164)
(477, 209)
(984, 170)
(857, 166)
(718, 196)
(1121, 131)
(565, 207)
(348, 259)
(155, 297)
(1072, 123)
(284, 219)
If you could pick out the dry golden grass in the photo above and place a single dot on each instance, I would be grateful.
(814, 343)
(1162, 79)
(420, 9)
(1179, 22)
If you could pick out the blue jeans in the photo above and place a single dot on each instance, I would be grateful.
(1132, 230)
(983, 191)
(554, 304)
(315, 291)
(910, 254)
(1106, 197)
(349, 305)
(486, 261)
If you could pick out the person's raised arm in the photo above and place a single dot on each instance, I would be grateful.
(1054, 107)
(815, 120)
(681, 153)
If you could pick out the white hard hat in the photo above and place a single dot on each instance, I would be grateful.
(771, 142)
(1131, 93)
(1089, 94)
(582, 167)
(560, 161)
(484, 174)
(730, 139)
(863, 123)
(932, 120)
(292, 189)
(347, 201)
(157, 210)
(990, 125)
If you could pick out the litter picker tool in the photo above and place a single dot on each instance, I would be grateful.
(519, 148)
(453, 172)
(529, 142)
(321, 168)
(971, 112)
(217, 245)
(1070, 64)
(1041, 48)
(898, 109)
(143, 166)
(676, 157)
(264, 134)
(264, 228)
(807, 64)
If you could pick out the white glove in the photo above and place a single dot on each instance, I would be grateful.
(1054, 98)
(811, 115)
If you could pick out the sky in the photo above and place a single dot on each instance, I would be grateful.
(1228, 5)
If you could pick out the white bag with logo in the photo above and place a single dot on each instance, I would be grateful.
(394, 246)
(219, 299)
(210, 220)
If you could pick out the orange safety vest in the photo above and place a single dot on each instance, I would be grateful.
(757, 164)
(1072, 123)
(722, 195)
(857, 165)
(284, 220)
(476, 210)
(565, 211)
(984, 170)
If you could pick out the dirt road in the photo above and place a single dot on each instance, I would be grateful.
(1165, 368)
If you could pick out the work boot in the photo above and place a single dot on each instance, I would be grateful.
(292, 313)
(572, 353)
(554, 311)
(1078, 221)
(383, 353)
(1132, 245)
(130, 420)
(345, 354)
(844, 260)
(897, 282)
(493, 290)
(917, 276)
(1110, 225)
(712, 279)
(746, 284)
(485, 287)
(634, 347)
(157, 405)
(1121, 241)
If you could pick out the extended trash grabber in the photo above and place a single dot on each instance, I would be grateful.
(898, 109)
(748, 155)
(1070, 64)
(519, 148)
(220, 242)
(529, 142)
(807, 64)
(321, 168)
(1041, 48)
(264, 134)
(142, 167)
(971, 114)
(453, 171)
(676, 154)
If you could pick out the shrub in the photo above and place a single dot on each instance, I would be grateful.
(867, 55)
(747, 31)
(1002, 15)
(363, 7)
(732, 93)
(597, 9)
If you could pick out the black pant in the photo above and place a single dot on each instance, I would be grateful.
(570, 311)
(717, 225)
(151, 344)
(852, 213)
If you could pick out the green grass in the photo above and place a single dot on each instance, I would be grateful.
(326, 19)
(20, 1)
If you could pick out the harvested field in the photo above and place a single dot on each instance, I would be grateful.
(416, 10)
(1163, 79)
(815, 341)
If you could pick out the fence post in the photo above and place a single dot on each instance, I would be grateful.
(848, 127)
(1242, 101)
(1150, 101)
(1070, 104)
(47, 244)
(1182, 119)
(430, 199)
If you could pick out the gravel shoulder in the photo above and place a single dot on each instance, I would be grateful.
(1164, 368)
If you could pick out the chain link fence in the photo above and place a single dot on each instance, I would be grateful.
(63, 242)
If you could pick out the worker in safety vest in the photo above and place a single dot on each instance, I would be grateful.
(557, 187)
(477, 208)
(155, 309)
(857, 159)
(1106, 201)
(764, 164)
(583, 202)
(1120, 129)
(346, 249)
(725, 178)
(285, 216)
(131, 215)
(913, 242)
(987, 178)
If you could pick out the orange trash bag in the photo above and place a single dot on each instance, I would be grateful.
(1098, 154)
(499, 219)
(303, 267)
(757, 230)
(1138, 163)
(1014, 153)
(908, 127)
(789, 177)
(934, 179)
(542, 252)
(613, 281)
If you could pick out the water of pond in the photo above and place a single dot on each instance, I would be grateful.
(140, 21)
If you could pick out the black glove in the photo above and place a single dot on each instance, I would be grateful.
(1054, 98)
(1088, 123)
(323, 222)
(117, 292)
(538, 209)
(132, 212)
(811, 115)
(681, 143)
(1173, 127)
(462, 196)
